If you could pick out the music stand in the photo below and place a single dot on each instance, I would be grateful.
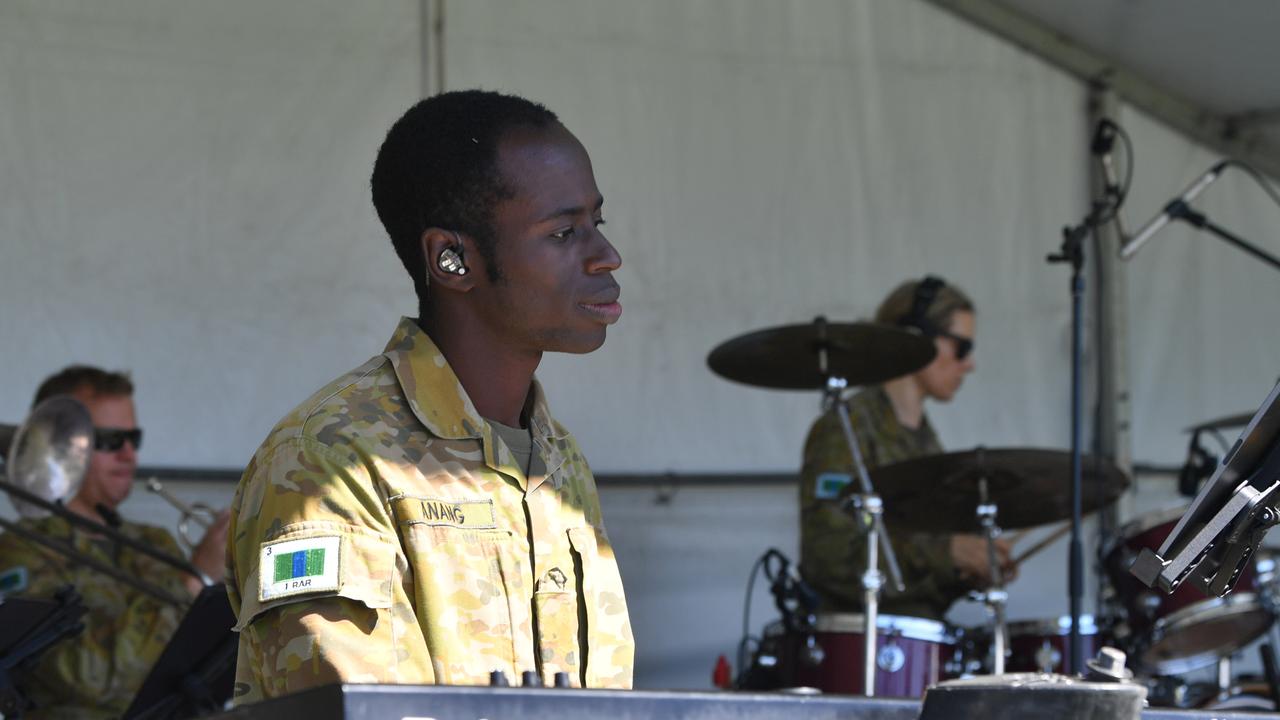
(28, 628)
(1216, 537)
(196, 672)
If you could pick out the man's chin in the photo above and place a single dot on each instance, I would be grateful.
(582, 344)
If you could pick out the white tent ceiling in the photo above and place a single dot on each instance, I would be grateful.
(1204, 68)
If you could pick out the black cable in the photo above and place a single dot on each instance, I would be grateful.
(1121, 193)
(774, 575)
(1257, 177)
(746, 614)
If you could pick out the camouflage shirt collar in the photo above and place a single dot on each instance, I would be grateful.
(437, 397)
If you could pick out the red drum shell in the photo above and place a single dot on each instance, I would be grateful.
(1045, 645)
(911, 653)
(1183, 630)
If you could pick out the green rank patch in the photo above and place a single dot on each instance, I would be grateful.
(303, 565)
(13, 580)
(829, 485)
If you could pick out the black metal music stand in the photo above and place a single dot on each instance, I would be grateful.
(1216, 537)
(28, 628)
(196, 672)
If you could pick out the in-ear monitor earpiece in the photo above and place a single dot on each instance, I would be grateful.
(450, 261)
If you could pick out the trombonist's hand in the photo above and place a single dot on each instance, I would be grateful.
(969, 553)
(210, 556)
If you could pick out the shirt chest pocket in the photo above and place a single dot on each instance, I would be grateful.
(466, 586)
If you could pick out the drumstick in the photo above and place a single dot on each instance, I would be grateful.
(1014, 537)
(1042, 544)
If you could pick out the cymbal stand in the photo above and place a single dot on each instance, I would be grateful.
(869, 505)
(995, 596)
(1224, 677)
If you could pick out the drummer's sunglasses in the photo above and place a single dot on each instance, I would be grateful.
(112, 439)
(964, 345)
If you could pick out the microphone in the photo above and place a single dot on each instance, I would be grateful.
(1171, 211)
(805, 593)
(1104, 137)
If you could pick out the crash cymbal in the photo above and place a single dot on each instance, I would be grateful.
(939, 493)
(789, 357)
(1223, 423)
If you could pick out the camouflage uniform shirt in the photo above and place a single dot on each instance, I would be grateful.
(832, 550)
(96, 673)
(384, 533)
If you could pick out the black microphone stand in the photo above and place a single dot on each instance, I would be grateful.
(1180, 210)
(1072, 252)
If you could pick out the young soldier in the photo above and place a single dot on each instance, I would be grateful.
(424, 518)
(891, 426)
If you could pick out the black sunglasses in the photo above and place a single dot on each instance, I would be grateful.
(112, 439)
(964, 345)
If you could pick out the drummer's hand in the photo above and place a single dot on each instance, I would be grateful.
(210, 556)
(1004, 555)
(969, 553)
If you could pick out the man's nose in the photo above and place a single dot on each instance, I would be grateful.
(605, 257)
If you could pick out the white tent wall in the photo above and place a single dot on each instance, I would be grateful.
(1201, 313)
(183, 192)
(766, 162)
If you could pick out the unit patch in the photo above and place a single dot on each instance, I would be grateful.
(293, 567)
(829, 485)
(13, 580)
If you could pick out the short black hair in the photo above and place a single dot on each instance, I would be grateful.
(438, 167)
(74, 377)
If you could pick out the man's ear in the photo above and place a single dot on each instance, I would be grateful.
(449, 259)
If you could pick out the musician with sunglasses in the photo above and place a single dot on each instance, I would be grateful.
(892, 426)
(97, 673)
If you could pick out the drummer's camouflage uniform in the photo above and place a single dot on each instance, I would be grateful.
(97, 673)
(832, 551)
(422, 553)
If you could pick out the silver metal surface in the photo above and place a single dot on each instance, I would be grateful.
(898, 625)
(197, 513)
(50, 452)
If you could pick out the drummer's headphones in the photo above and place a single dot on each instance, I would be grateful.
(918, 316)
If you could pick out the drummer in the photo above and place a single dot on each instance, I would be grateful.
(891, 426)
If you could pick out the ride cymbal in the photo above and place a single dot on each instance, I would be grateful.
(791, 357)
(1030, 486)
(1223, 423)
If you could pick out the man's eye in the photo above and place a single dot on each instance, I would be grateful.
(564, 234)
(600, 222)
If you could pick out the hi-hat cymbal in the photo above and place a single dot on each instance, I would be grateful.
(940, 493)
(1222, 423)
(789, 357)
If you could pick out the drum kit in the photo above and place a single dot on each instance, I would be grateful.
(982, 491)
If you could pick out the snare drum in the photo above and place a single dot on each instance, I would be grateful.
(910, 655)
(1045, 645)
(1185, 630)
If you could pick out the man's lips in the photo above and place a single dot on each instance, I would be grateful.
(605, 307)
(607, 312)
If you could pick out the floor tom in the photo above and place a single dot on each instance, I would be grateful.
(1182, 631)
